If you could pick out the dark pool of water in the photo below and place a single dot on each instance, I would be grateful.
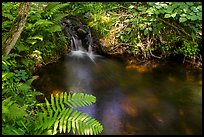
(160, 101)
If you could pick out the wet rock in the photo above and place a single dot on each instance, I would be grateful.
(74, 29)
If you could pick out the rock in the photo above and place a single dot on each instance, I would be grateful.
(35, 77)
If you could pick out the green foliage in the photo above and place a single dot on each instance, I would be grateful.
(12, 111)
(41, 28)
(188, 49)
(184, 11)
(19, 112)
(18, 98)
(8, 15)
(43, 21)
(10, 130)
(60, 117)
(163, 23)
(94, 14)
(148, 28)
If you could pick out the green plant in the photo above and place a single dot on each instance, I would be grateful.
(188, 49)
(44, 31)
(149, 26)
(59, 115)
(40, 29)
(8, 14)
(12, 114)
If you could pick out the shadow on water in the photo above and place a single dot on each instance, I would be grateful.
(161, 101)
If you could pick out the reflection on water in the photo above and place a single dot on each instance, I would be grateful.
(160, 101)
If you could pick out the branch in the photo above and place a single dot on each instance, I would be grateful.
(17, 27)
(181, 29)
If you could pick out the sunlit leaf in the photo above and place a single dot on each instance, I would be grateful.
(182, 19)
(130, 7)
(146, 31)
(194, 17)
(167, 15)
(150, 28)
(21, 47)
(174, 14)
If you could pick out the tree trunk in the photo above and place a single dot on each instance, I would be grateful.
(17, 27)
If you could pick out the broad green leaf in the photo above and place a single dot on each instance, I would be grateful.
(167, 15)
(130, 7)
(128, 29)
(54, 28)
(21, 47)
(193, 17)
(169, 9)
(174, 14)
(37, 37)
(146, 31)
(150, 28)
(16, 112)
(189, 3)
(127, 20)
(23, 87)
(199, 8)
(182, 19)
(194, 9)
(140, 8)
(31, 41)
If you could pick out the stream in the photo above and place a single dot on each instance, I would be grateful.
(164, 100)
(130, 99)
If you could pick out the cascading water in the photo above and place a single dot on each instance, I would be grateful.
(80, 38)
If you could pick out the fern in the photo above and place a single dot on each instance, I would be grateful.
(11, 110)
(54, 7)
(52, 11)
(59, 116)
(54, 28)
(11, 130)
(43, 23)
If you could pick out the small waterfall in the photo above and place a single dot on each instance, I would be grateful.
(80, 37)
(76, 43)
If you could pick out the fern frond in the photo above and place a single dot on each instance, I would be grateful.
(11, 110)
(72, 100)
(52, 8)
(53, 102)
(67, 119)
(57, 102)
(42, 23)
(8, 15)
(54, 28)
(81, 99)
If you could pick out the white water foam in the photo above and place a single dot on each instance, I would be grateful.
(82, 54)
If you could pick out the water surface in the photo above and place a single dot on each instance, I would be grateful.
(164, 100)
